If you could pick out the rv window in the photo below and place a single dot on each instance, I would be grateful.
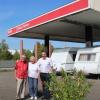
(74, 56)
(83, 57)
(87, 57)
(92, 57)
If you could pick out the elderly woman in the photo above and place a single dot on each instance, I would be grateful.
(33, 73)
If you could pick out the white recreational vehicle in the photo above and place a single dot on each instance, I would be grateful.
(64, 58)
(88, 60)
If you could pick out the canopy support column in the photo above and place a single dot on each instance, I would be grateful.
(89, 36)
(21, 48)
(47, 44)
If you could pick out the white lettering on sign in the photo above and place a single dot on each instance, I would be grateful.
(22, 27)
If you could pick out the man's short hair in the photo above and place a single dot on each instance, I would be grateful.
(23, 56)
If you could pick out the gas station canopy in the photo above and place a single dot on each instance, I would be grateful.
(71, 22)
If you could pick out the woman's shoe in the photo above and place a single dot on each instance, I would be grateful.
(31, 98)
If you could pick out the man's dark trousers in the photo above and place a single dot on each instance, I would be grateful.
(45, 77)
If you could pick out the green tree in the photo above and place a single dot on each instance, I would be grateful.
(40, 49)
(3, 45)
(4, 53)
(28, 53)
(16, 55)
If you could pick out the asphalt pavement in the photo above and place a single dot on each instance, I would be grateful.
(8, 87)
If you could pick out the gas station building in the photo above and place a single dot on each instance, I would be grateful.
(78, 21)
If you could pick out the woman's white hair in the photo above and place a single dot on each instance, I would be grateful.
(32, 58)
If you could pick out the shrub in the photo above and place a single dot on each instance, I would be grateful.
(68, 87)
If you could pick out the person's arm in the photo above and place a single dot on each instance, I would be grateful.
(38, 63)
(15, 69)
(51, 65)
(38, 70)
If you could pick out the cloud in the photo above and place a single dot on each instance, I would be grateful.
(4, 15)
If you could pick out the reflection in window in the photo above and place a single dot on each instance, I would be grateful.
(87, 57)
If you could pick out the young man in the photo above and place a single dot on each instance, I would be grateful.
(21, 70)
(45, 65)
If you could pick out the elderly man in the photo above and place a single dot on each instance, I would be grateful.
(45, 65)
(21, 70)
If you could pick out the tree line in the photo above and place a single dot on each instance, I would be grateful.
(5, 54)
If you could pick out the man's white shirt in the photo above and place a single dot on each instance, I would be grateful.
(45, 65)
(33, 70)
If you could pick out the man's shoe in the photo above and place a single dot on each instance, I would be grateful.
(35, 98)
